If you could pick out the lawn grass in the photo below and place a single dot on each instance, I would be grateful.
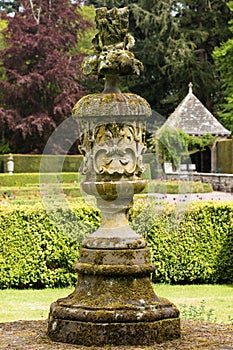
(33, 193)
(27, 189)
(28, 304)
(218, 298)
(34, 304)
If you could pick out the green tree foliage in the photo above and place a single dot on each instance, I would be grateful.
(223, 56)
(85, 38)
(91, 83)
(205, 23)
(10, 6)
(174, 40)
(175, 146)
(3, 25)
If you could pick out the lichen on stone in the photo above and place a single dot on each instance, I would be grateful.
(112, 45)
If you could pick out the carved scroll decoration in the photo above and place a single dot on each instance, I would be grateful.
(113, 148)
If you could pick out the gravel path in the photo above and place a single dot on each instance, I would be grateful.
(194, 197)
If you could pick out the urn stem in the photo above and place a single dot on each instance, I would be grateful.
(111, 84)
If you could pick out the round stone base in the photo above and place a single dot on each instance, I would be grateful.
(113, 302)
(102, 334)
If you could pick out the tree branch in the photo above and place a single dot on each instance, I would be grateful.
(36, 16)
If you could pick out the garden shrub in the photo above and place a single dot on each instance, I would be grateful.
(37, 250)
(193, 245)
(190, 244)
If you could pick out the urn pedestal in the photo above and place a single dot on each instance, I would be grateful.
(114, 301)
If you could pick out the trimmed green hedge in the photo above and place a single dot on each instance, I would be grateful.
(224, 150)
(193, 245)
(34, 252)
(26, 179)
(30, 163)
(189, 245)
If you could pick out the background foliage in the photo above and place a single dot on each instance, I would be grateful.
(175, 146)
(193, 245)
(223, 56)
(175, 41)
(40, 72)
(42, 48)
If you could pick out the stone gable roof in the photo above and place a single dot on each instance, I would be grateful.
(193, 118)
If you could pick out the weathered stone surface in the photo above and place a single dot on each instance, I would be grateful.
(114, 301)
(112, 104)
(116, 257)
(112, 136)
(98, 334)
(112, 45)
(114, 198)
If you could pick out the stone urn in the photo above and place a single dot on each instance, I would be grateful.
(114, 301)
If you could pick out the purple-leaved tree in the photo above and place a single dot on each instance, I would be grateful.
(40, 70)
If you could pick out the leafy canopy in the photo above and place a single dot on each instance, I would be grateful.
(175, 146)
(223, 56)
(175, 40)
(41, 79)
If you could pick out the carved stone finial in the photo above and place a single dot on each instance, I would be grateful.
(112, 45)
(190, 87)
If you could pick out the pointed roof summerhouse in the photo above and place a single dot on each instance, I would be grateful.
(193, 118)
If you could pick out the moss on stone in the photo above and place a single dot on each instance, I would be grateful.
(123, 270)
(118, 104)
(98, 334)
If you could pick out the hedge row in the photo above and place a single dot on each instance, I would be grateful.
(31, 163)
(225, 156)
(189, 245)
(173, 186)
(38, 250)
(26, 179)
(194, 245)
(35, 163)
